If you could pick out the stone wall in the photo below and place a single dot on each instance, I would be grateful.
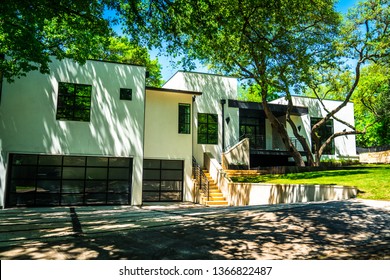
(378, 157)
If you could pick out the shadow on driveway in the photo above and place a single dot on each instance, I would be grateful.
(352, 229)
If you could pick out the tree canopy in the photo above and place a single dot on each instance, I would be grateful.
(272, 44)
(32, 31)
(282, 46)
(121, 49)
(372, 106)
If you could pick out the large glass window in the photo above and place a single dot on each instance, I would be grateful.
(207, 128)
(74, 102)
(184, 118)
(252, 126)
(324, 132)
(43, 180)
(162, 180)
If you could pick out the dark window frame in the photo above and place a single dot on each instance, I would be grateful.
(184, 122)
(158, 168)
(210, 135)
(325, 131)
(70, 102)
(126, 94)
(85, 187)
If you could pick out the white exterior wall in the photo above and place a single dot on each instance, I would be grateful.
(162, 140)
(28, 116)
(213, 88)
(345, 146)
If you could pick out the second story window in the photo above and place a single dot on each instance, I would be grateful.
(184, 118)
(207, 128)
(324, 132)
(74, 102)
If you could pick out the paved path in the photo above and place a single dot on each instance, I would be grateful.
(354, 229)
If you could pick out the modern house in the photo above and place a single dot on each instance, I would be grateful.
(94, 134)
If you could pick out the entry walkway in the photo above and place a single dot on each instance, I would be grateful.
(353, 229)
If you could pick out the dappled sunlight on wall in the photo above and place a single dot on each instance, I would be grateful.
(241, 194)
(115, 128)
(213, 88)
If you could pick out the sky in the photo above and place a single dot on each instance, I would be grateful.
(168, 70)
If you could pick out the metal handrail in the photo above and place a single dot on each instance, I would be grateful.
(201, 179)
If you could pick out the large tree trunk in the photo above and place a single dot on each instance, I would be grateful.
(301, 139)
(281, 129)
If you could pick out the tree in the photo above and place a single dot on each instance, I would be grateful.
(122, 50)
(364, 38)
(372, 106)
(33, 31)
(271, 44)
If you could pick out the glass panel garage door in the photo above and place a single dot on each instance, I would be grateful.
(162, 180)
(47, 180)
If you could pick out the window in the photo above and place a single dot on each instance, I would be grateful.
(207, 128)
(52, 180)
(252, 126)
(125, 94)
(162, 180)
(184, 118)
(325, 131)
(74, 102)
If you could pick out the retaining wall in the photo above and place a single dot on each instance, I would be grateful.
(378, 157)
(240, 194)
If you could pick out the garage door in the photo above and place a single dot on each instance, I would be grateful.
(162, 180)
(47, 180)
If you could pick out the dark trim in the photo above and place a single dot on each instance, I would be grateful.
(208, 134)
(223, 102)
(276, 108)
(38, 174)
(174, 90)
(159, 169)
(182, 123)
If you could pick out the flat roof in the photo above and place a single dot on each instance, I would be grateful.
(174, 90)
(199, 73)
(278, 108)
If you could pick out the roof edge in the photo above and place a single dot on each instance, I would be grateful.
(174, 90)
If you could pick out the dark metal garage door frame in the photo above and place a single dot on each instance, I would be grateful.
(54, 180)
(163, 180)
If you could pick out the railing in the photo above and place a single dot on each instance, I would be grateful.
(237, 156)
(256, 141)
(297, 144)
(202, 183)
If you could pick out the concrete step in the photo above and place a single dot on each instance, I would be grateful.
(217, 203)
(216, 198)
(235, 173)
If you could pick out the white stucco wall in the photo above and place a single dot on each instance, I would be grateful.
(213, 88)
(28, 116)
(345, 146)
(162, 140)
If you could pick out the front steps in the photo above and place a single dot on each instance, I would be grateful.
(216, 197)
(243, 173)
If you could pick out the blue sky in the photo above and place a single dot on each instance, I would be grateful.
(168, 70)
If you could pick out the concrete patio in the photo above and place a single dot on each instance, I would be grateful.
(351, 229)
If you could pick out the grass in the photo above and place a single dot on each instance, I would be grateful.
(373, 181)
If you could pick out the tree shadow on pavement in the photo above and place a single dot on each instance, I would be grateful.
(331, 230)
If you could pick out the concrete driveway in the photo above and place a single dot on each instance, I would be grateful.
(353, 229)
